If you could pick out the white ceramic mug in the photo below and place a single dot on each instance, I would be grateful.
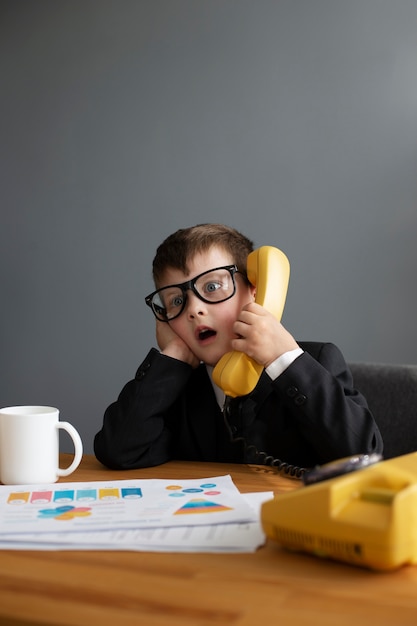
(29, 445)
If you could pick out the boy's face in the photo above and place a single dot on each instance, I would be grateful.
(207, 328)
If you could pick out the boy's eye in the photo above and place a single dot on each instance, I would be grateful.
(171, 301)
(176, 301)
(212, 286)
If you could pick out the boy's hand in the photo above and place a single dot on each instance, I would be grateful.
(261, 335)
(171, 345)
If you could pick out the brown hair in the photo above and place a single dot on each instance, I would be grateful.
(177, 249)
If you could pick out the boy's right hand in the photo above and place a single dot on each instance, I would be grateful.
(172, 345)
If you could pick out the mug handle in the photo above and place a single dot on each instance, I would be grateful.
(78, 448)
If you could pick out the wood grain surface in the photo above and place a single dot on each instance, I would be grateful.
(272, 586)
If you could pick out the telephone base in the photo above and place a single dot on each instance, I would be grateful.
(366, 518)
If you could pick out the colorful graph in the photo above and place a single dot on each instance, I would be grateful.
(197, 505)
(71, 495)
(64, 513)
(73, 502)
(177, 491)
(200, 505)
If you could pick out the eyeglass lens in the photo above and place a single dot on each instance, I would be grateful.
(214, 286)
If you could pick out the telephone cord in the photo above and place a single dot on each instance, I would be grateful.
(286, 469)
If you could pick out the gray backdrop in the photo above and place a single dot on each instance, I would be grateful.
(121, 121)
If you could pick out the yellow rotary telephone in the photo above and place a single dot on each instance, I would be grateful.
(366, 517)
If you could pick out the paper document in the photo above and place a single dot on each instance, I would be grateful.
(151, 514)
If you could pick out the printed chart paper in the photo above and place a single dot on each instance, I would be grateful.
(130, 514)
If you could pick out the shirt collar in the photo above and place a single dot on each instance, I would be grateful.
(218, 392)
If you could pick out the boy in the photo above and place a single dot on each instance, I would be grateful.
(303, 411)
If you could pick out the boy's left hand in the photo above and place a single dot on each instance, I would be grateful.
(172, 345)
(260, 335)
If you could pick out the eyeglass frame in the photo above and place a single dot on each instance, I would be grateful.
(190, 285)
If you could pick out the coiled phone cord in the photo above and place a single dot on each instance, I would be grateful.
(286, 469)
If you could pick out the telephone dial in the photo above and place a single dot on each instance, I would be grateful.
(268, 269)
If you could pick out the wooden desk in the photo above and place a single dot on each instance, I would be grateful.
(271, 586)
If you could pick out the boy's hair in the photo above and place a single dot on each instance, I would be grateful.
(180, 247)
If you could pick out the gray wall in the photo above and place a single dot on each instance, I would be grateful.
(121, 121)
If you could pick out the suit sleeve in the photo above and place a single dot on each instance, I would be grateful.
(137, 431)
(329, 413)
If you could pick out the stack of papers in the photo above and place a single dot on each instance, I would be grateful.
(201, 515)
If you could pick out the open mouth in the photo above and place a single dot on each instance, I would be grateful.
(205, 333)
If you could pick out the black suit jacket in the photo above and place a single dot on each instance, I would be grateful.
(309, 415)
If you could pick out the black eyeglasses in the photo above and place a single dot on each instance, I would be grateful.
(213, 286)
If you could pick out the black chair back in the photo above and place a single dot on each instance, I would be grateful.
(391, 392)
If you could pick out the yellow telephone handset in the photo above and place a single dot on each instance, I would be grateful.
(269, 270)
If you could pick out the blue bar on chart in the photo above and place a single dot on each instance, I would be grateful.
(64, 495)
(86, 495)
(131, 492)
